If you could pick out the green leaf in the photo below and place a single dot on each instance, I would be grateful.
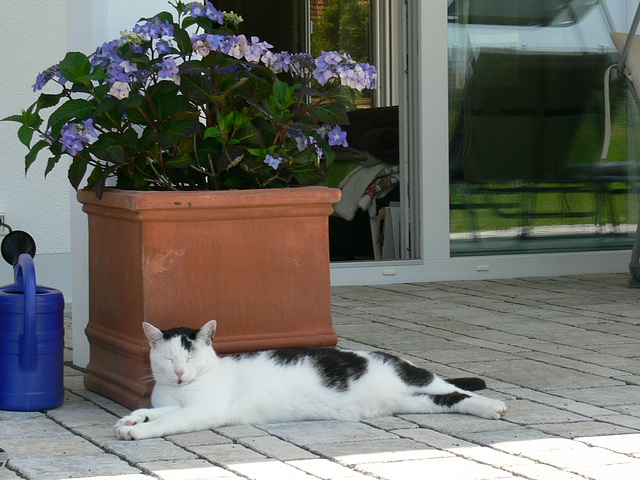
(27, 118)
(25, 134)
(51, 163)
(115, 153)
(185, 161)
(76, 109)
(346, 96)
(77, 170)
(162, 16)
(283, 93)
(132, 102)
(46, 100)
(95, 175)
(105, 174)
(250, 134)
(187, 22)
(98, 74)
(15, 118)
(338, 171)
(331, 113)
(108, 105)
(193, 67)
(166, 100)
(33, 153)
(76, 67)
(148, 138)
(197, 88)
(182, 38)
(100, 92)
(308, 175)
(212, 132)
(177, 130)
(205, 23)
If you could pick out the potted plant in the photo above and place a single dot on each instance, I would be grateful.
(195, 127)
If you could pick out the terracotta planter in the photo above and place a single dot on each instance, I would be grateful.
(255, 260)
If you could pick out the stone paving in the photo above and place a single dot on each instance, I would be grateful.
(562, 352)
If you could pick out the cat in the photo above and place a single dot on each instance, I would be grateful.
(197, 390)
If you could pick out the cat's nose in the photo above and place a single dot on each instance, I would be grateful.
(179, 373)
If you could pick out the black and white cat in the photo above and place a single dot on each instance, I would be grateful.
(196, 390)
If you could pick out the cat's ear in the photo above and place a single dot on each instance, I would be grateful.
(153, 334)
(207, 331)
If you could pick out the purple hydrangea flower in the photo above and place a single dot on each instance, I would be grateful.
(335, 65)
(120, 90)
(273, 161)
(359, 76)
(302, 63)
(163, 47)
(239, 46)
(197, 10)
(166, 29)
(305, 141)
(257, 49)
(168, 68)
(327, 66)
(44, 77)
(117, 73)
(75, 135)
(154, 30)
(337, 137)
(213, 14)
(202, 48)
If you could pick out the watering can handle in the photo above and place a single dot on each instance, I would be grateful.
(25, 275)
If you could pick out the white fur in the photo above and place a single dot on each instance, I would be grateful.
(203, 391)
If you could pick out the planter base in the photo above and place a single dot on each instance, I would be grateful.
(256, 261)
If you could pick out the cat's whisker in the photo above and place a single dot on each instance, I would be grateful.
(147, 378)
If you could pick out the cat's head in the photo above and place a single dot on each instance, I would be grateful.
(179, 355)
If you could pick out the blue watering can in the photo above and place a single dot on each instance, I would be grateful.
(31, 334)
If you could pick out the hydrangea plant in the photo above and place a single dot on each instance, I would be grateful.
(183, 102)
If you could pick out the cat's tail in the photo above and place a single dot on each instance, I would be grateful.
(468, 383)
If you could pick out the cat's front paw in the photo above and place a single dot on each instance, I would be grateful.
(130, 432)
(134, 418)
(124, 428)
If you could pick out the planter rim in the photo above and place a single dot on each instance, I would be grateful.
(195, 199)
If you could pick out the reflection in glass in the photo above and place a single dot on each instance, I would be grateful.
(526, 115)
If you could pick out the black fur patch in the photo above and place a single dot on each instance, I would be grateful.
(336, 367)
(408, 373)
(240, 356)
(472, 384)
(448, 399)
(187, 336)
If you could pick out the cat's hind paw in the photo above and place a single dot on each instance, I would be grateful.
(485, 407)
(493, 409)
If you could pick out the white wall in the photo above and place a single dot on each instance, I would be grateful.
(32, 40)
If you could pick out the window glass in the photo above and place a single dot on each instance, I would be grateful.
(527, 127)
